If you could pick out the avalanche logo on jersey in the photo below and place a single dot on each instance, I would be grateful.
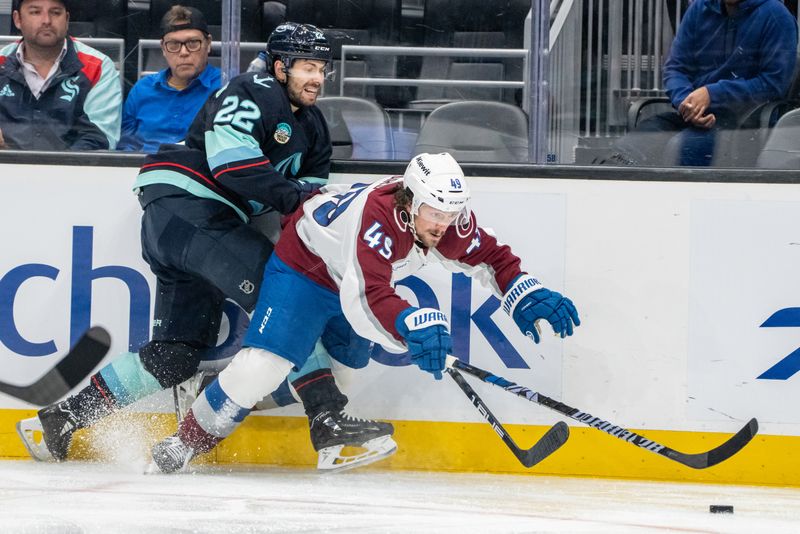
(7, 91)
(70, 89)
(282, 133)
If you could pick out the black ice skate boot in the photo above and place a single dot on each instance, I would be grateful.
(171, 455)
(332, 429)
(56, 424)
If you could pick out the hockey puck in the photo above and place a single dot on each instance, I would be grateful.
(720, 509)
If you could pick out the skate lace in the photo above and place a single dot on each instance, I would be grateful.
(177, 450)
(350, 419)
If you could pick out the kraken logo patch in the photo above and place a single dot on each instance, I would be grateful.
(247, 287)
(282, 133)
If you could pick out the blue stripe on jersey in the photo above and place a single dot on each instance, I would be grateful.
(162, 176)
(226, 145)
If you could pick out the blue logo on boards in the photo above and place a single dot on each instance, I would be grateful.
(790, 365)
(82, 276)
(84, 273)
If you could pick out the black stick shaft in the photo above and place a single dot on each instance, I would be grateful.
(696, 461)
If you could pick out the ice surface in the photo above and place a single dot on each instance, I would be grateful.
(113, 498)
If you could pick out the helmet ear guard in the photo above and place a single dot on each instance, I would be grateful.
(291, 41)
(438, 181)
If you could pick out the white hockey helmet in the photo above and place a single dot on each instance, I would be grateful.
(438, 181)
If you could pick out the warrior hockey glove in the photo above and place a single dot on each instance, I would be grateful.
(527, 301)
(426, 333)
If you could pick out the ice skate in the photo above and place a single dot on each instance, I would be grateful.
(171, 455)
(48, 435)
(332, 431)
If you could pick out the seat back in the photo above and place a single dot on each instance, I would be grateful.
(782, 149)
(355, 22)
(476, 131)
(472, 25)
(359, 128)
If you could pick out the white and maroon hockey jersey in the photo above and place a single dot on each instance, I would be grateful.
(353, 240)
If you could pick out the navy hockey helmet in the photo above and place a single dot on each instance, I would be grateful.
(291, 41)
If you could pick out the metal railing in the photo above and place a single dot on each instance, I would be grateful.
(216, 48)
(565, 81)
(429, 51)
(113, 48)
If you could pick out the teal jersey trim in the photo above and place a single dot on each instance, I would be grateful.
(226, 145)
(177, 179)
(128, 380)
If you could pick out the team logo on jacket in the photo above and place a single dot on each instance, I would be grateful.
(70, 89)
(247, 287)
(6, 91)
(282, 133)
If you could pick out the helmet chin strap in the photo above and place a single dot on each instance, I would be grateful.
(412, 225)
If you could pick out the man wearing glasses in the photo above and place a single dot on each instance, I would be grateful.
(160, 107)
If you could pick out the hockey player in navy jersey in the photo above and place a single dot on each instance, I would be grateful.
(338, 258)
(258, 145)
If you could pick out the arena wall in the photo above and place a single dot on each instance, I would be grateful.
(688, 294)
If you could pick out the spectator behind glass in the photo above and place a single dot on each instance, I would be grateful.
(55, 92)
(729, 57)
(161, 106)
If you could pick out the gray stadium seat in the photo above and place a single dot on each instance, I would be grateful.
(476, 131)
(359, 128)
(782, 149)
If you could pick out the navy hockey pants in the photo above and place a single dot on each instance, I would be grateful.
(201, 252)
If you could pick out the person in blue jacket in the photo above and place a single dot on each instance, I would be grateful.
(728, 58)
(160, 107)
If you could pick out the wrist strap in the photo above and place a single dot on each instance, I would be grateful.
(523, 285)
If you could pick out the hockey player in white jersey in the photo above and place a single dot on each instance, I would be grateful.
(338, 259)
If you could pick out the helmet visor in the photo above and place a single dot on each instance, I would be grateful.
(311, 69)
(436, 216)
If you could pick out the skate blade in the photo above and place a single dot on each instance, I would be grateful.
(331, 459)
(32, 435)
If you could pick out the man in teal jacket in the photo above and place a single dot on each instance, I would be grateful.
(56, 93)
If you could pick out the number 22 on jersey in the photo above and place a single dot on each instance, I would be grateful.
(239, 114)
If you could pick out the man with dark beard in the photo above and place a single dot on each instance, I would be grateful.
(258, 145)
(56, 93)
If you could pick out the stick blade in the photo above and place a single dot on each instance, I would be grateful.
(550, 442)
(718, 454)
(76, 365)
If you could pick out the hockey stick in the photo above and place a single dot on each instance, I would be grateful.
(700, 460)
(554, 438)
(76, 365)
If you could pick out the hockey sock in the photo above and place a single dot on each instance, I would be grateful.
(212, 418)
(220, 408)
(318, 392)
(128, 380)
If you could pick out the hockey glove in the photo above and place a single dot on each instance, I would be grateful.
(426, 333)
(306, 187)
(527, 301)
